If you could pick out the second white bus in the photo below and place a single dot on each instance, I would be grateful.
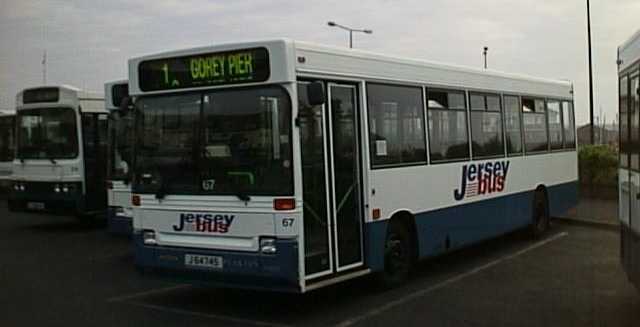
(7, 147)
(60, 151)
(120, 153)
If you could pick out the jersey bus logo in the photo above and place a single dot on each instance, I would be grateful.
(205, 223)
(482, 178)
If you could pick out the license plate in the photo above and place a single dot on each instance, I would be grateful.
(35, 205)
(203, 261)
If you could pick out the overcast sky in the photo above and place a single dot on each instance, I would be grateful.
(89, 41)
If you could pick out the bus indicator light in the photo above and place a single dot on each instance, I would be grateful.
(284, 204)
(375, 213)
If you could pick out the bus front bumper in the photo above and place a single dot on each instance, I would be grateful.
(248, 270)
(41, 196)
(117, 223)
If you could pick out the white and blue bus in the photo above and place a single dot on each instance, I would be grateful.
(60, 151)
(629, 163)
(120, 152)
(289, 166)
(7, 147)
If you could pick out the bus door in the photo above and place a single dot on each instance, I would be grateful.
(633, 146)
(332, 187)
(94, 142)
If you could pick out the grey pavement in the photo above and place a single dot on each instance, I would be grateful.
(58, 272)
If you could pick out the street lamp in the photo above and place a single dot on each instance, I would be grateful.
(351, 30)
(592, 134)
(484, 53)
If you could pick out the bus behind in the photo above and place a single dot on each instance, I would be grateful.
(60, 151)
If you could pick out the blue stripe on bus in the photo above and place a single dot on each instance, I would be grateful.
(470, 223)
(118, 225)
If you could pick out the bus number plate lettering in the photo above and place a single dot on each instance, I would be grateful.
(203, 261)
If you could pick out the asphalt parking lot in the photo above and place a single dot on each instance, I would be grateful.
(57, 272)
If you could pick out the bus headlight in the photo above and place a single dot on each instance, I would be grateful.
(18, 186)
(56, 188)
(268, 245)
(149, 237)
(65, 188)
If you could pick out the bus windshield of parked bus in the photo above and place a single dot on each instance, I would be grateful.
(6, 138)
(222, 142)
(47, 133)
(121, 140)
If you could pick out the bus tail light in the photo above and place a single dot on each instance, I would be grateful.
(135, 200)
(284, 204)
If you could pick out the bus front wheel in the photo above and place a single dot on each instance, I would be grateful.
(398, 254)
(541, 218)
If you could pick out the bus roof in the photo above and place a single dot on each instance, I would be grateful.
(629, 52)
(322, 59)
(67, 95)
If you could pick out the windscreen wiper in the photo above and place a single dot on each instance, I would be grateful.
(53, 161)
(161, 192)
(243, 197)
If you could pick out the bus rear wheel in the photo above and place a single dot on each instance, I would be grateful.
(398, 255)
(541, 218)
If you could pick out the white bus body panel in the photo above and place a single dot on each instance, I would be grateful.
(428, 188)
(250, 221)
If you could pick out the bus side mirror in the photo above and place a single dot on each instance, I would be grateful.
(315, 93)
(125, 104)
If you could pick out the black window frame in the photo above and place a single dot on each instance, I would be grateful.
(500, 111)
(562, 141)
(520, 124)
(425, 124)
(447, 90)
(623, 146)
(535, 100)
(566, 145)
(633, 107)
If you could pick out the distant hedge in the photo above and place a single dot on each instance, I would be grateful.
(598, 165)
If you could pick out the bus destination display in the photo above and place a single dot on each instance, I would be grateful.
(43, 94)
(209, 69)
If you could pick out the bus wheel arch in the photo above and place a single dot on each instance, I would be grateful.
(540, 211)
(400, 249)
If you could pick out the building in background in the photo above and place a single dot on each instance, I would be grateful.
(604, 134)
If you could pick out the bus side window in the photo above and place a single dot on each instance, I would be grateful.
(535, 127)
(554, 119)
(486, 125)
(396, 125)
(448, 137)
(624, 122)
(568, 125)
(513, 124)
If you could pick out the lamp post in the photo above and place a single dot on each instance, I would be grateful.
(592, 134)
(484, 53)
(350, 30)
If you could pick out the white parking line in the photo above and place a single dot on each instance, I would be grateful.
(145, 293)
(420, 293)
(239, 321)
